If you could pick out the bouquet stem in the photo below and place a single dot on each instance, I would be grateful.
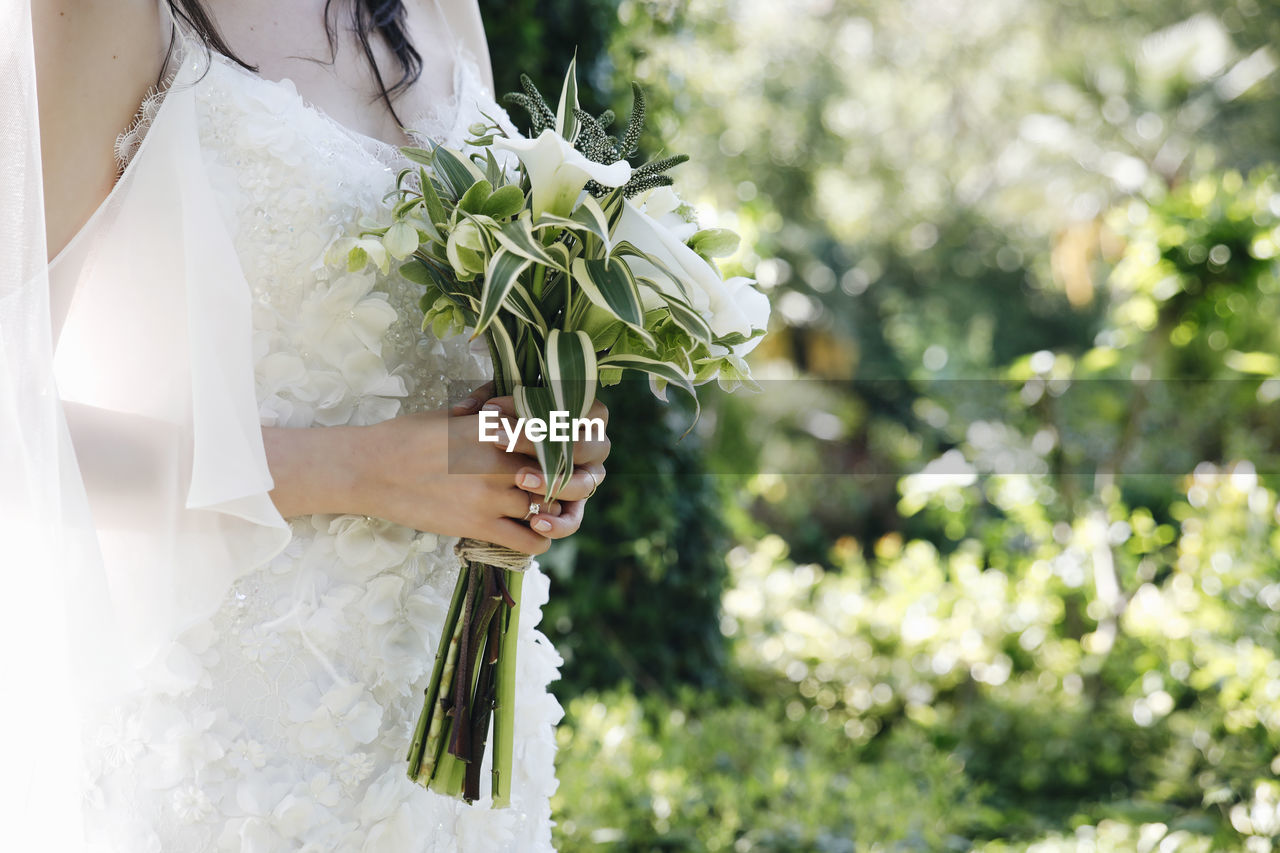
(472, 685)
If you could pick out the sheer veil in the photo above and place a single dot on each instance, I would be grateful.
(152, 373)
(51, 572)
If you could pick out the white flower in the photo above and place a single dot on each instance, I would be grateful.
(292, 815)
(477, 830)
(247, 754)
(354, 768)
(191, 803)
(381, 601)
(728, 307)
(259, 643)
(369, 545)
(742, 309)
(664, 205)
(119, 739)
(180, 745)
(386, 809)
(335, 723)
(558, 171)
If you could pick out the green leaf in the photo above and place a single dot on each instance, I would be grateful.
(571, 370)
(505, 201)
(509, 362)
(418, 155)
(403, 209)
(418, 272)
(492, 168)
(475, 197)
(500, 276)
(435, 207)
(626, 249)
(681, 312)
(566, 122)
(555, 457)
(588, 218)
(517, 237)
(608, 283)
(522, 304)
(457, 172)
(660, 369)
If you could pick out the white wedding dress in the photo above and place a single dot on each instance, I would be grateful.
(282, 664)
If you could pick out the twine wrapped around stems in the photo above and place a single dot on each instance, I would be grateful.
(499, 556)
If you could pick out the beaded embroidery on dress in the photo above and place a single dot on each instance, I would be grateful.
(282, 722)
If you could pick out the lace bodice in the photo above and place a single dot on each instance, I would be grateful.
(282, 721)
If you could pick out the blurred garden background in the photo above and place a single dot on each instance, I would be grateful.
(993, 560)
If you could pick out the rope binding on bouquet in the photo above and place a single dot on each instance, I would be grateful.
(479, 551)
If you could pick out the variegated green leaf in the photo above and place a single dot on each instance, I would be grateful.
(418, 155)
(457, 172)
(682, 313)
(660, 369)
(571, 366)
(521, 303)
(509, 362)
(566, 121)
(517, 237)
(626, 249)
(609, 284)
(500, 276)
(588, 218)
(555, 457)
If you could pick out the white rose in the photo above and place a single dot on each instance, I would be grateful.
(743, 309)
(557, 171)
(727, 306)
(664, 205)
(654, 239)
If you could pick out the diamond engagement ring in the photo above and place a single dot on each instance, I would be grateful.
(534, 508)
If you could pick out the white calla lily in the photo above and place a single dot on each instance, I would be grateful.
(558, 171)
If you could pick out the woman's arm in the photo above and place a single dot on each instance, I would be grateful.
(431, 472)
(95, 60)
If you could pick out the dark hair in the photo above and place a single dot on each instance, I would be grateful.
(383, 17)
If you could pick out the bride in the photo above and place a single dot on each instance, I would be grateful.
(265, 441)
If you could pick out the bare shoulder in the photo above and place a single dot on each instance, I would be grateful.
(95, 60)
(468, 26)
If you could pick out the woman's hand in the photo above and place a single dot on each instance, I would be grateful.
(565, 514)
(430, 471)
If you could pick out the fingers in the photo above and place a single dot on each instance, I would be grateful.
(560, 525)
(517, 536)
(470, 404)
(582, 485)
(515, 503)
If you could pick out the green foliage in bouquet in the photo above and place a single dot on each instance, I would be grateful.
(570, 284)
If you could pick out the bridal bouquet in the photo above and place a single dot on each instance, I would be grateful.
(574, 267)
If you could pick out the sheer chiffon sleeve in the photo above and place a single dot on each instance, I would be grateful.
(154, 366)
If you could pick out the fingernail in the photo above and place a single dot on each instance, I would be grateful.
(468, 404)
(530, 481)
(490, 407)
(542, 525)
